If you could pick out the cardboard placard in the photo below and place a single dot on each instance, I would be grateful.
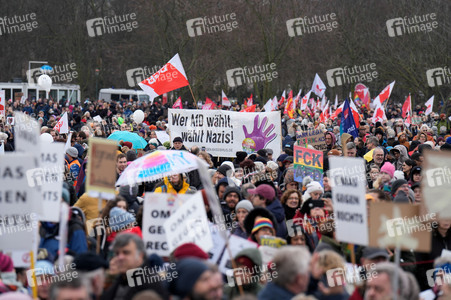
(392, 223)
(308, 162)
(313, 137)
(436, 183)
(101, 173)
(348, 181)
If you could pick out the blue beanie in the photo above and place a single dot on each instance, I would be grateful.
(120, 219)
(448, 140)
(188, 272)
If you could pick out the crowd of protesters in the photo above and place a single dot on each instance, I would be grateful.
(259, 197)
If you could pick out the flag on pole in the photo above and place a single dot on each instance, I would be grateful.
(178, 103)
(63, 124)
(171, 77)
(225, 100)
(289, 109)
(318, 86)
(323, 103)
(209, 104)
(384, 95)
(271, 104)
(355, 113)
(347, 124)
(324, 116)
(2, 103)
(298, 97)
(282, 99)
(249, 108)
(304, 100)
(406, 111)
(379, 114)
(429, 105)
(250, 101)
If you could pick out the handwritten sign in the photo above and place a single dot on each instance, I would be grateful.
(308, 162)
(101, 175)
(313, 137)
(348, 183)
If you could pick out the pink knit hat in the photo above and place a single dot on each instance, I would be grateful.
(389, 169)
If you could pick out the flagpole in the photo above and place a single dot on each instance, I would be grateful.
(195, 102)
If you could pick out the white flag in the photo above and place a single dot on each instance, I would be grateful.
(318, 86)
(225, 100)
(304, 100)
(323, 103)
(2, 103)
(268, 105)
(429, 105)
(63, 124)
(68, 143)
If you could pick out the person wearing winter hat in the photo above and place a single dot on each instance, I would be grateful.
(262, 226)
(242, 209)
(249, 267)
(72, 163)
(400, 185)
(122, 221)
(194, 279)
(415, 175)
(221, 172)
(264, 194)
(231, 197)
(385, 176)
(314, 191)
(177, 144)
(189, 250)
(153, 144)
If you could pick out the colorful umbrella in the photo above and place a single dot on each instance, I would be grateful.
(137, 141)
(157, 165)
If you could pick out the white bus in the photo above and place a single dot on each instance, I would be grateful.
(32, 91)
(118, 94)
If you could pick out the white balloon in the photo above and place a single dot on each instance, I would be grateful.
(45, 82)
(138, 116)
(46, 138)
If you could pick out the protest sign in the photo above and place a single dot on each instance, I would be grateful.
(272, 241)
(162, 136)
(17, 202)
(308, 162)
(348, 183)
(26, 134)
(189, 224)
(20, 258)
(101, 173)
(223, 133)
(219, 244)
(313, 137)
(10, 121)
(393, 223)
(50, 177)
(236, 244)
(158, 207)
(436, 183)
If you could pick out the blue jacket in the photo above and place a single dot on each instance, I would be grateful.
(273, 291)
(279, 213)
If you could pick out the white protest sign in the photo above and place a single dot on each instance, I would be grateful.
(236, 244)
(17, 198)
(162, 136)
(223, 133)
(20, 258)
(158, 207)
(97, 118)
(436, 182)
(50, 177)
(218, 244)
(189, 224)
(348, 180)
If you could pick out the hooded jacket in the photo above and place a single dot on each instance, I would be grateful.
(402, 158)
(167, 187)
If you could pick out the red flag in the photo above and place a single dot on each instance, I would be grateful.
(379, 114)
(406, 109)
(250, 101)
(209, 104)
(324, 116)
(385, 94)
(249, 108)
(225, 100)
(171, 77)
(304, 100)
(282, 99)
(289, 108)
(178, 103)
(2, 103)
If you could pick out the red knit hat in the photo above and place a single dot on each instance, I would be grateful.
(190, 250)
(6, 263)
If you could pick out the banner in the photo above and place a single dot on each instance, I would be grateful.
(348, 181)
(189, 224)
(313, 137)
(101, 173)
(308, 162)
(223, 133)
(158, 208)
(50, 177)
(18, 199)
